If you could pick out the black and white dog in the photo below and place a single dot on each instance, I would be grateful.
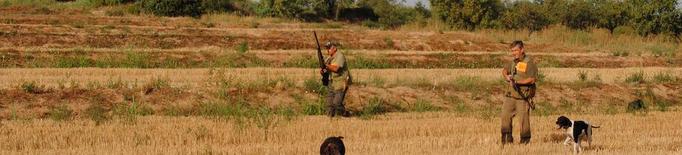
(575, 130)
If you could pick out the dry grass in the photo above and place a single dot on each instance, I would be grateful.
(49, 28)
(196, 77)
(562, 39)
(405, 133)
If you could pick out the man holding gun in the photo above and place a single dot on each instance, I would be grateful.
(339, 80)
(521, 75)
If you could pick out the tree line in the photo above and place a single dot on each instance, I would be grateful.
(644, 17)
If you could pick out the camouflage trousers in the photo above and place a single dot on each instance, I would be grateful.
(513, 107)
(335, 105)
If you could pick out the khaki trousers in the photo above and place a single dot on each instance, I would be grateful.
(513, 107)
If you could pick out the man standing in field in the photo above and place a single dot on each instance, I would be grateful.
(521, 75)
(339, 80)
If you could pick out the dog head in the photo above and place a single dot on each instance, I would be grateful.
(563, 122)
(333, 146)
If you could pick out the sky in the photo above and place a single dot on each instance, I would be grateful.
(414, 2)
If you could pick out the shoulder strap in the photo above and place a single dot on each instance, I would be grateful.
(513, 68)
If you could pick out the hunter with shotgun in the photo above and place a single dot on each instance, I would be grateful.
(335, 76)
(521, 74)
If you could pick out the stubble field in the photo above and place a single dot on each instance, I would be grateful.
(82, 82)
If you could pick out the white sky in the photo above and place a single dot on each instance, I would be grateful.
(414, 2)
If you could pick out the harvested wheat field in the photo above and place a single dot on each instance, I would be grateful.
(404, 133)
(237, 77)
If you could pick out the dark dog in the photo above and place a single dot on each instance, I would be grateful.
(575, 130)
(333, 146)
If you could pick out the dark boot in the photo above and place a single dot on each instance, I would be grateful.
(525, 140)
(507, 138)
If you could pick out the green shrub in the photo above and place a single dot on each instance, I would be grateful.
(96, 3)
(265, 119)
(209, 6)
(620, 53)
(115, 12)
(422, 105)
(375, 106)
(74, 62)
(32, 87)
(389, 42)
(314, 108)
(624, 30)
(369, 63)
(662, 77)
(97, 112)
(132, 109)
(137, 60)
(635, 78)
(242, 48)
(172, 8)
(467, 83)
(60, 113)
(582, 76)
(314, 85)
(371, 24)
(223, 110)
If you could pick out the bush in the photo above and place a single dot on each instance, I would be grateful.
(137, 60)
(624, 30)
(389, 42)
(422, 105)
(172, 8)
(663, 77)
(74, 62)
(242, 48)
(375, 106)
(32, 87)
(371, 24)
(582, 76)
(314, 85)
(223, 110)
(108, 2)
(216, 5)
(620, 53)
(97, 112)
(115, 12)
(314, 108)
(60, 113)
(635, 78)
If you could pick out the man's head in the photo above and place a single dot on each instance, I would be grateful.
(517, 50)
(331, 47)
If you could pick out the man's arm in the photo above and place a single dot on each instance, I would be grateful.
(505, 74)
(526, 81)
(338, 62)
(332, 67)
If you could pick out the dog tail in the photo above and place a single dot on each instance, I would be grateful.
(593, 126)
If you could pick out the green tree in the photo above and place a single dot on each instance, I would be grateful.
(554, 10)
(655, 16)
(422, 10)
(468, 14)
(525, 15)
(391, 13)
(613, 14)
(172, 7)
(301, 9)
(581, 16)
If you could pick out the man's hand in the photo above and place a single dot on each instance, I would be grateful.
(323, 71)
(332, 68)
